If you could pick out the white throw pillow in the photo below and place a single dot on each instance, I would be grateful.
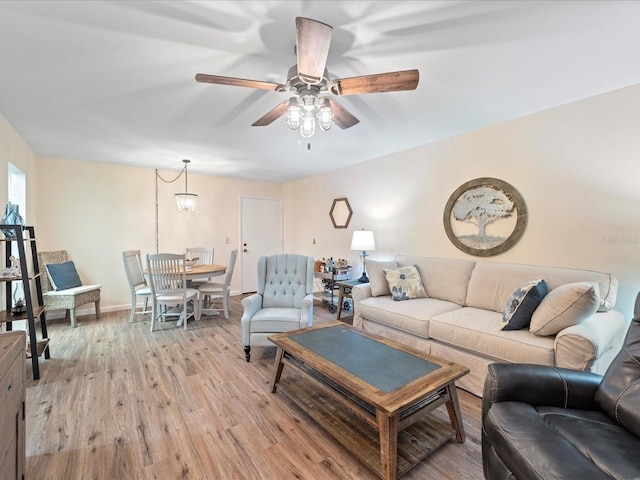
(565, 306)
(377, 280)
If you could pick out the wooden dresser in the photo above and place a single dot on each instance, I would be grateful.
(12, 398)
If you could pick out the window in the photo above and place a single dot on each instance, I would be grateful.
(17, 189)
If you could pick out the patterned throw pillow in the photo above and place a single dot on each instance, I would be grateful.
(522, 303)
(405, 283)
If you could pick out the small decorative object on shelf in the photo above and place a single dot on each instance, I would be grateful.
(19, 308)
(13, 270)
(11, 217)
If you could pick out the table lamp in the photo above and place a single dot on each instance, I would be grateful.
(363, 240)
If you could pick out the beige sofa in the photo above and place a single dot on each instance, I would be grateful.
(461, 320)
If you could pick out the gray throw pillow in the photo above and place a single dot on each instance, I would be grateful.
(565, 306)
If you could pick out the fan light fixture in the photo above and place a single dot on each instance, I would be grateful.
(308, 111)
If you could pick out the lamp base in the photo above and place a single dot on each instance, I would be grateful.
(363, 278)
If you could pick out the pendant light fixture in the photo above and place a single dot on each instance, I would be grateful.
(186, 202)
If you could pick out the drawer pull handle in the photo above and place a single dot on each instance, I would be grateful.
(9, 388)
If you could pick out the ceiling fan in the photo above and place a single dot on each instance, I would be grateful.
(309, 82)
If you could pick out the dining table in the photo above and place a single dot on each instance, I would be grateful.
(204, 270)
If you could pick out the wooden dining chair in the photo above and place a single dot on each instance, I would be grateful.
(168, 281)
(137, 282)
(221, 290)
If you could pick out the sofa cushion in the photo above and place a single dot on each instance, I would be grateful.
(377, 280)
(443, 278)
(492, 283)
(480, 331)
(412, 317)
(522, 303)
(565, 306)
(405, 283)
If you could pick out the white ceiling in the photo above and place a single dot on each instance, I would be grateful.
(113, 81)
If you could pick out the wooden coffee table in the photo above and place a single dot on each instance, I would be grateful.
(339, 371)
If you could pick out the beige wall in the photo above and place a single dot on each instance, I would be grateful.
(577, 167)
(97, 210)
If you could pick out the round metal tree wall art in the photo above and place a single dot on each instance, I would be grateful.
(485, 217)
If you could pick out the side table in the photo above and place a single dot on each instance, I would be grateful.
(344, 291)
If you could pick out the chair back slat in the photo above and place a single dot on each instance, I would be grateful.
(167, 273)
(203, 254)
(133, 268)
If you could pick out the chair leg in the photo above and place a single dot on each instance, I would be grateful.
(133, 308)
(197, 307)
(154, 309)
(98, 309)
(225, 304)
(247, 352)
(185, 314)
(72, 316)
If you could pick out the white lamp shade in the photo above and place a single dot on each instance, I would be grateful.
(363, 240)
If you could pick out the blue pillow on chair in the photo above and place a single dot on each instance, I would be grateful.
(63, 275)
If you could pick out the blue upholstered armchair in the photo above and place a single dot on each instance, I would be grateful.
(283, 302)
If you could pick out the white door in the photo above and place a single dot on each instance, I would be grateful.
(261, 236)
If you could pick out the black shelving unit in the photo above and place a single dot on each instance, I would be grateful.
(34, 310)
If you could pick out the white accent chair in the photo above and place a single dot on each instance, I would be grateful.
(137, 283)
(283, 302)
(168, 281)
(221, 290)
(68, 299)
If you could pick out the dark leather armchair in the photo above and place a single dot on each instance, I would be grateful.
(542, 422)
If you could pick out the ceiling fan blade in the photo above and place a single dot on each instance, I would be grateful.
(381, 82)
(239, 82)
(313, 39)
(341, 116)
(272, 115)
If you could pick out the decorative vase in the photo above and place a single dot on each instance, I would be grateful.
(11, 217)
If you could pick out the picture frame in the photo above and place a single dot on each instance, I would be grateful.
(340, 212)
(485, 217)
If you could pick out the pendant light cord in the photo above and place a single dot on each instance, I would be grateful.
(158, 176)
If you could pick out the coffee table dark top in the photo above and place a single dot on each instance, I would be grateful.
(378, 364)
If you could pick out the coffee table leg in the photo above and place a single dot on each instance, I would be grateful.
(277, 369)
(454, 413)
(388, 427)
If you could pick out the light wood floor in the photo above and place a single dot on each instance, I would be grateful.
(118, 402)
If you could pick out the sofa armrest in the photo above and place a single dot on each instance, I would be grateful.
(358, 294)
(591, 344)
(539, 385)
